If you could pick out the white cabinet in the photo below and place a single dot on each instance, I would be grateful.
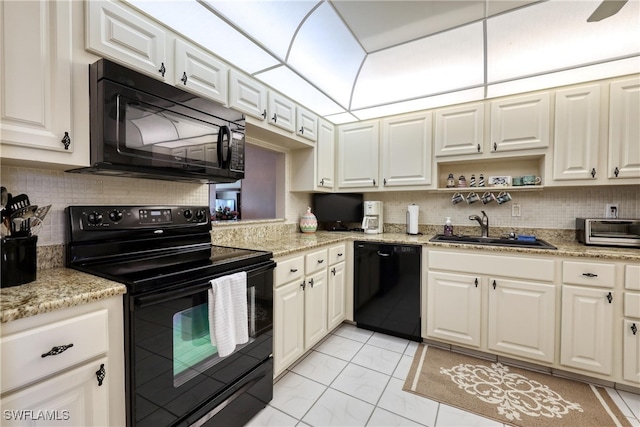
(520, 123)
(313, 168)
(39, 84)
(624, 130)
(325, 149)
(358, 146)
(124, 36)
(306, 124)
(459, 130)
(337, 289)
(247, 95)
(406, 150)
(315, 298)
(478, 301)
(282, 112)
(198, 72)
(67, 363)
(631, 325)
(577, 134)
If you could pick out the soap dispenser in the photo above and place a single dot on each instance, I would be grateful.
(448, 227)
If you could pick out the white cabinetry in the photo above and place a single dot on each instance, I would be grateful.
(358, 146)
(587, 316)
(68, 363)
(624, 130)
(477, 295)
(39, 83)
(337, 291)
(631, 325)
(459, 130)
(315, 298)
(198, 72)
(306, 124)
(406, 150)
(282, 112)
(247, 95)
(313, 168)
(577, 134)
(520, 123)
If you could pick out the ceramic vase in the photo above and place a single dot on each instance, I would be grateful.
(308, 222)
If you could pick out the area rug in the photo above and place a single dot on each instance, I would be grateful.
(508, 394)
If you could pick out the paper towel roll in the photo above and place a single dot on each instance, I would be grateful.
(412, 219)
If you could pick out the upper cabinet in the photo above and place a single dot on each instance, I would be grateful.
(459, 130)
(406, 150)
(624, 130)
(358, 155)
(247, 95)
(282, 112)
(313, 168)
(306, 124)
(41, 86)
(198, 72)
(520, 123)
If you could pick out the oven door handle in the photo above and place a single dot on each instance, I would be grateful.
(186, 290)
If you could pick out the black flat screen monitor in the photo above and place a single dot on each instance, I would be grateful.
(334, 209)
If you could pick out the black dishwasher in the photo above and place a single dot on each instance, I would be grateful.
(387, 288)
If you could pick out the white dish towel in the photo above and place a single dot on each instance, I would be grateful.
(228, 324)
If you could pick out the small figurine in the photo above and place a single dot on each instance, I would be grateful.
(472, 181)
(451, 182)
(481, 181)
(462, 181)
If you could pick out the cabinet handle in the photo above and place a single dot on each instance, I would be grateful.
(303, 285)
(184, 78)
(634, 328)
(320, 261)
(275, 118)
(162, 70)
(495, 146)
(333, 271)
(494, 284)
(322, 181)
(57, 350)
(301, 131)
(609, 297)
(478, 148)
(589, 275)
(293, 270)
(476, 282)
(264, 114)
(339, 254)
(100, 374)
(66, 140)
(616, 171)
(374, 182)
(593, 172)
(311, 282)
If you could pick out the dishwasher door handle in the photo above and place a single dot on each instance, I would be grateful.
(382, 254)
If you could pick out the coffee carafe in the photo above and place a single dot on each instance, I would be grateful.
(373, 220)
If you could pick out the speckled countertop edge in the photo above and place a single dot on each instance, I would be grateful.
(54, 289)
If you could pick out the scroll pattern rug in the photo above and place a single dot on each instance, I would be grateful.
(509, 394)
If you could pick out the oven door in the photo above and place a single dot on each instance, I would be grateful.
(174, 373)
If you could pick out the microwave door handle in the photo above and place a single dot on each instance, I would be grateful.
(223, 155)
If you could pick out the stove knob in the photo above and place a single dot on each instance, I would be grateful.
(115, 216)
(200, 215)
(94, 218)
(188, 214)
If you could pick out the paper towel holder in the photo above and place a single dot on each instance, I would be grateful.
(412, 219)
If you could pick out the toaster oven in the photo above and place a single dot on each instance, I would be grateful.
(608, 232)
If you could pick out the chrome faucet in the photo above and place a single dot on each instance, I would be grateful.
(484, 223)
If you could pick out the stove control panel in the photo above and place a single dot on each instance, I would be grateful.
(137, 217)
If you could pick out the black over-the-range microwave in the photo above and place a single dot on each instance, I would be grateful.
(141, 127)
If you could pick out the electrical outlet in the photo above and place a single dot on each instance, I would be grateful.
(611, 211)
(515, 209)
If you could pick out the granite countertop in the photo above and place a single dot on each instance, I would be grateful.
(57, 288)
(54, 289)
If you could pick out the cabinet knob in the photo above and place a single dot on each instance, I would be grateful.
(66, 140)
(301, 131)
(303, 285)
(495, 146)
(57, 350)
(476, 282)
(333, 271)
(293, 270)
(100, 374)
(478, 148)
(340, 254)
(616, 171)
(374, 182)
(264, 114)
(162, 70)
(311, 282)
(274, 118)
(322, 181)
(593, 172)
(634, 328)
(184, 78)
(320, 261)
(494, 284)
(384, 181)
(609, 297)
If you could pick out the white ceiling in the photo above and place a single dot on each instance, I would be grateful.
(356, 59)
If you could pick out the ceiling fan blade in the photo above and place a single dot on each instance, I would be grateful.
(606, 9)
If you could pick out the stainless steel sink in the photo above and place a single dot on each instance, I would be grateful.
(492, 241)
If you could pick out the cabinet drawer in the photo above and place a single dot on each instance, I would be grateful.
(588, 273)
(337, 254)
(315, 261)
(22, 360)
(289, 270)
(632, 277)
(632, 304)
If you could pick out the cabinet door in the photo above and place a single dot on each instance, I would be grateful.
(631, 353)
(35, 76)
(453, 307)
(337, 295)
(459, 130)
(306, 124)
(587, 329)
(358, 155)
(326, 155)
(520, 123)
(577, 133)
(406, 150)
(128, 38)
(282, 112)
(247, 95)
(72, 398)
(315, 308)
(288, 325)
(200, 73)
(522, 319)
(624, 131)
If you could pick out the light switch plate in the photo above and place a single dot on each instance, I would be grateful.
(515, 209)
(611, 210)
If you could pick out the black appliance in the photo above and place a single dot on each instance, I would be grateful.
(144, 128)
(164, 255)
(387, 288)
(334, 209)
